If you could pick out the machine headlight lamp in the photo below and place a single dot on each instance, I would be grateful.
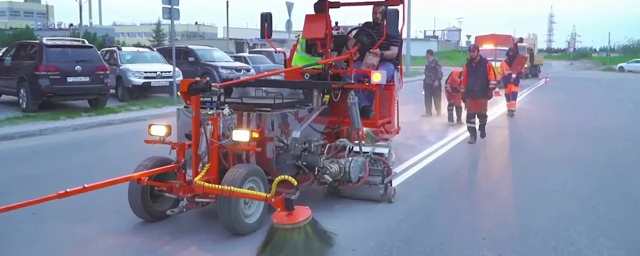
(378, 77)
(160, 130)
(242, 135)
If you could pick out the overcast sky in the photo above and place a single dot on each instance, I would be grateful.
(593, 18)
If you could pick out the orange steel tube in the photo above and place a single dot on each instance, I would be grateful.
(275, 72)
(90, 187)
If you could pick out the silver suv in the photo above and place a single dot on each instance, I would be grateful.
(136, 71)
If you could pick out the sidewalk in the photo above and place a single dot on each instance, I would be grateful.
(48, 128)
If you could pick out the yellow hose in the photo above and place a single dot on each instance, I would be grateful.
(274, 186)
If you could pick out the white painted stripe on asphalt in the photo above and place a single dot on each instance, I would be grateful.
(450, 142)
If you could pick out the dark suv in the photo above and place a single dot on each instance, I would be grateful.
(54, 69)
(206, 62)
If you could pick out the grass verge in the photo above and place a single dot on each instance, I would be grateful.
(446, 58)
(609, 69)
(57, 115)
(602, 60)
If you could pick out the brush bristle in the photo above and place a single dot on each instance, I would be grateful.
(310, 239)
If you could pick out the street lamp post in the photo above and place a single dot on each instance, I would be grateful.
(408, 41)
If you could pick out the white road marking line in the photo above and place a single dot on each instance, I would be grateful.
(441, 142)
(457, 137)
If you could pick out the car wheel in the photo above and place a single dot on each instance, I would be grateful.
(122, 93)
(27, 103)
(98, 103)
(621, 69)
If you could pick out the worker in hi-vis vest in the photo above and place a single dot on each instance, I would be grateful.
(510, 80)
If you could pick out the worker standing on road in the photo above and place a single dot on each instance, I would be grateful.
(478, 84)
(432, 85)
(453, 92)
(510, 80)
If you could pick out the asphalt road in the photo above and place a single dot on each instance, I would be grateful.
(558, 179)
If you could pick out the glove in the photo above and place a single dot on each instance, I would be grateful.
(493, 85)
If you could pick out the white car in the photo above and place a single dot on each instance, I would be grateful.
(629, 66)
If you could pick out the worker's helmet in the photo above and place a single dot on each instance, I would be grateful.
(474, 47)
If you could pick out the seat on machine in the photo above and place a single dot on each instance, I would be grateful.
(386, 114)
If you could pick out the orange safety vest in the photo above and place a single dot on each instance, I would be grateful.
(454, 80)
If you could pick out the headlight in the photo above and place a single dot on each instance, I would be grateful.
(378, 77)
(225, 71)
(178, 73)
(243, 135)
(136, 74)
(160, 130)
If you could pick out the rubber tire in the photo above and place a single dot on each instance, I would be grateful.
(229, 207)
(139, 200)
(621, 70)
(98, 103)
(126, 92)
(32, 104)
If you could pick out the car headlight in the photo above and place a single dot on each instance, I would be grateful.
(225, 71)
(136, 74)
(241, 135)
(178, 74)
(160, 130)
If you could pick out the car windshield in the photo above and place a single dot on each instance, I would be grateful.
(72, 54)
(212, 55)
(141, 57)
(494, 54)
(259, 60)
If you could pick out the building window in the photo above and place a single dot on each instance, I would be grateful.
(123, 35)
(139, 35)
(3, 13)
(15, 14)
(144, 34)
(41, 15)
(128, 34)
(28, 14)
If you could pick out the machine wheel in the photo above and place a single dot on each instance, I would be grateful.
(621, 69)
(145, 203)
(243, 216)
(391, 194)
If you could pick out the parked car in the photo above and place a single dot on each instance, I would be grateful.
(206, 62)
(259, 63)
(54, 69)
(271, 54)
(629, 66)
(136, 71)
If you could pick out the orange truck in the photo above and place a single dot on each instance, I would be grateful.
(494, 47)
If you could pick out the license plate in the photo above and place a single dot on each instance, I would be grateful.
(78, 79)
(159, 83)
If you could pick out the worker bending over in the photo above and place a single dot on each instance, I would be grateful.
(511, 80)
(388, 53)
(478, 84)
(453, 92)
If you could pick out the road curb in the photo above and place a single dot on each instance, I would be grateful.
(24, 131)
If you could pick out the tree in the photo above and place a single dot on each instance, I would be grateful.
(159, 37)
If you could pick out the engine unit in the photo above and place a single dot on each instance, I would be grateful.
(342, 170)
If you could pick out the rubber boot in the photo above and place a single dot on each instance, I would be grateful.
(450, 114)
(482, 127)
(472, 135)
(471, 128)
(459, 115)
